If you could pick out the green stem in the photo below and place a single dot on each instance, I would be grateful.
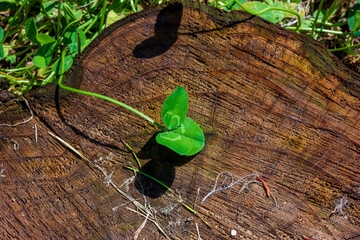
(343, 48)
(48, 79)
(103, 97)
(13, 20)
(58, 23)
(103, 13)
(317, 30)
(152, 178)
(94, 20)
(24, 59)
(46, 14)
(133, 8)
(133, 153)
(22, 51)
(317, 16)
(67, 27)
(15, 69)
(85, 24)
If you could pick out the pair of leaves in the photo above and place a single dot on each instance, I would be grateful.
(43, 55)
(184, 136)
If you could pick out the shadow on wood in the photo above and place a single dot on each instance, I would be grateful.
(270, 102)
(161, 166)
(166, 27)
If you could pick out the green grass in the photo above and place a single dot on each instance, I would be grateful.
(33, 35)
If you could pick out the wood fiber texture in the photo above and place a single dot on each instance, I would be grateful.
(269, 101)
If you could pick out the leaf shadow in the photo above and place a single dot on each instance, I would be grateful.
(161, 166)
(166, 33)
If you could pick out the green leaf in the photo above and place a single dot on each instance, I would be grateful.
(321, 15)
(43, 55)
(2, 54)
(258, 6)
(44, 38)
(31, 30)
(68, 61)
(175, 108)
(71, 39)
(357, 20)
(1, 33)
(11, 58)
(113, 17)
(51, 7)
(188, 139)
(234, 5)
(7, 49)
(69, 13)
(354, 18)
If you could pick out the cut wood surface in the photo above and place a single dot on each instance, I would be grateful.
(270, 102)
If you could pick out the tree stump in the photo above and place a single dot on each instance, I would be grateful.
(270, 102)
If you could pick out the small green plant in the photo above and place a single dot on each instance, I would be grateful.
(181, 134)
(33, 33)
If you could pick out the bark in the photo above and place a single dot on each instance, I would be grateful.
(270, 102)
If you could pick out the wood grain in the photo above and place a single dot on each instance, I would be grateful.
(270, 102)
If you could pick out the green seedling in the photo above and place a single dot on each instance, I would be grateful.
(181, 134)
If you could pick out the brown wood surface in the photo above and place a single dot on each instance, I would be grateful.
(270, 102)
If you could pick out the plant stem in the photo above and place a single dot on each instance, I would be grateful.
(152, 178)
(133, 153)
(103, 13)
(92, 23)
(316, 17)
(24, 59)
(18, 80)
(58, 23)
(12, 21)
(104, 97)
(343, 48)
(133, 6)
(318, 30)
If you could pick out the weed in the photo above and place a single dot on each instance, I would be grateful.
(34, 33)
(181, 134)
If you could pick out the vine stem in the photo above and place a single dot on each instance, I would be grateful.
(343, 48)
(103, 97)
(316, 17)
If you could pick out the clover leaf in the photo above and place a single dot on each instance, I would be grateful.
(188, 139)
(184, 137)
(175, 108)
